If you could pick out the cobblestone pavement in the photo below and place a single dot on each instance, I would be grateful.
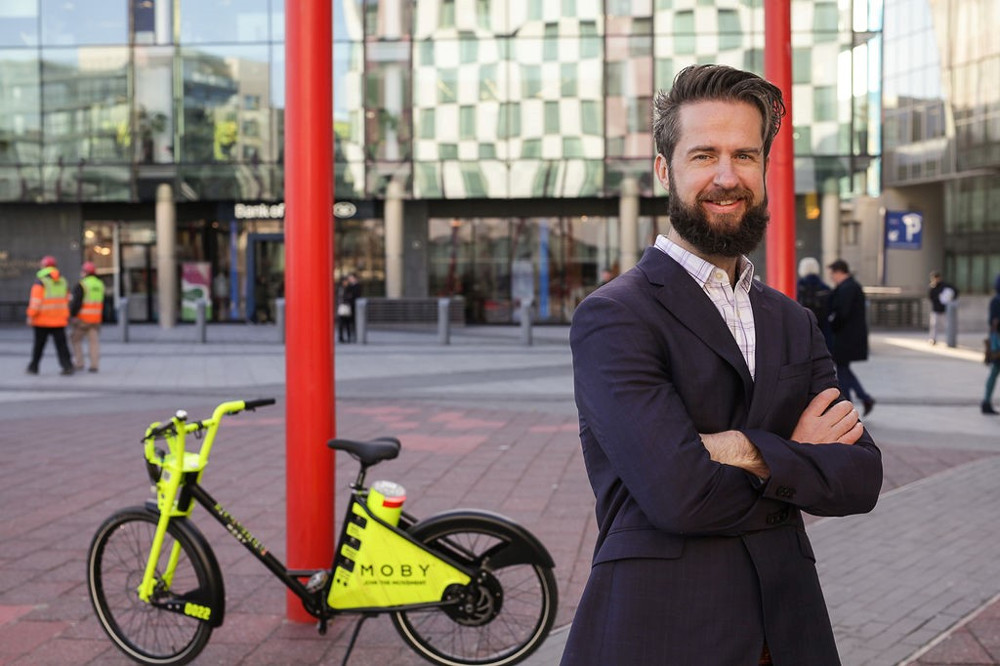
(487, 423)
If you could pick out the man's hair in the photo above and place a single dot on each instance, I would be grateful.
(699, 83)
(839, 266)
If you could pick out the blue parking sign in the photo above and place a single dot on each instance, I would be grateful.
(904, 230)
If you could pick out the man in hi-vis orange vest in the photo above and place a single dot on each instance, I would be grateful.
(87, 310)
(48, 314)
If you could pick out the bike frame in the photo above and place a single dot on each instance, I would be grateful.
(377, 566)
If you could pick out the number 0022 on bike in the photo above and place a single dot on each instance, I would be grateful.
(461, 587)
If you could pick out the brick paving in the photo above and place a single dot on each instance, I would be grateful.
(484, 424)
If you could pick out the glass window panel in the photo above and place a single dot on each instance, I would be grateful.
(802, 65)
(19, 23)
(825, 20)
(85, 113)
(388, 100)
(467, 122)
(447, 87)
(572, 146)
(278, 18)
(552, 117)
(531, 81)
(224, 89)
(87, 182)
(347, 21)
(824, 103)
(154, 104)
(468, 51)
(20, 183)
(21, 120)
(570, 72)
(205, 21)
(684, 37)
(387, 19)
(426, 123)
(83, 22)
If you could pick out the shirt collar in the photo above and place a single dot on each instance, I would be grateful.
(702, 271)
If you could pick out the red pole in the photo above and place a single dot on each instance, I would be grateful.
(308, 288)
(781, 171)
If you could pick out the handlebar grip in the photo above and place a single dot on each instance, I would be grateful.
(253, 404)
(162, 430)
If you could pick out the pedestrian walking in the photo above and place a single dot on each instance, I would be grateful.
(87, 312)
(703, 396)
(940, 294)
(814, 295)
(994, 349)
(48, 315)
(849, 326)
(347, 296)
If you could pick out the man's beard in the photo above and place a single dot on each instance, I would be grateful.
(691, 223)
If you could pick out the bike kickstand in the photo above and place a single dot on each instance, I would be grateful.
(354, 636)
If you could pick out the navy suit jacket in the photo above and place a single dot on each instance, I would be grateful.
(654, 366)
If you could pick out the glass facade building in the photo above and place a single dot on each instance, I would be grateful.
(942, 125)
(512, 131)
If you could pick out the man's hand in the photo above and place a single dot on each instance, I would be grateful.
(733, 448)
(822, 424)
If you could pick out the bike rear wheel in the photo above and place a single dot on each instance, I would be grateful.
(145, 631)
(507, 611)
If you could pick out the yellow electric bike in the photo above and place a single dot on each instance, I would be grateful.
(462, 587)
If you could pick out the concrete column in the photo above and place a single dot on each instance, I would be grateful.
(394, 240)
(166, 255)
(628, 225)
(830, 221)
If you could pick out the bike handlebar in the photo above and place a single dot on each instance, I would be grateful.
(254, 404)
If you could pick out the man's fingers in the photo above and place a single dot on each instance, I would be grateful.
(852, 435)
(818, 405)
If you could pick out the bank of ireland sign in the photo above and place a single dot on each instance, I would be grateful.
(904, 230)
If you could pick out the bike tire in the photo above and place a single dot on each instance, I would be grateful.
(115, 566)
(514, 610)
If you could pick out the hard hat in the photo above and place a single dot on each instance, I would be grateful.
(48, 261)
(88, 268)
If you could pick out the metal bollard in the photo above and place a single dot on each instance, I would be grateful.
(279, 318)
(200, 307)
(526, 323)
(951, 325)
(444, 325)
(361, 320)
(123, 319)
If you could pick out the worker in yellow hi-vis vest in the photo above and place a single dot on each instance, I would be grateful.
(48, 314)
(87, 310)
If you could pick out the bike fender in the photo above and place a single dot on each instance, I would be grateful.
(522, 546)
(204, 551)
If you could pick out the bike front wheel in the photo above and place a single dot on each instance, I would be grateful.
(506, 613)
(148, 632)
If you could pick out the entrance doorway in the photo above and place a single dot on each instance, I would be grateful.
(265, 275)
(139, 281)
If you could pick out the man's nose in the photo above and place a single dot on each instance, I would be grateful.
(725, 175)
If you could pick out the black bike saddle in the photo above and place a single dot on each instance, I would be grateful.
(368, 453)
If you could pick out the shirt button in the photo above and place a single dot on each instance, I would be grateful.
(718, 275)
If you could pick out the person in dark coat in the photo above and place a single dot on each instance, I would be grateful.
(994, 345)
(849, 325)
(814, 295)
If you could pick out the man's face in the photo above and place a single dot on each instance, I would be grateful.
(718, 200)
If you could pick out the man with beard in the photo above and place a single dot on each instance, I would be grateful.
(710, 416)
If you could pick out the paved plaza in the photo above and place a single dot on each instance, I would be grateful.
(485, 422)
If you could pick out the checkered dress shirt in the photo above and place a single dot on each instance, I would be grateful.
(732, 304)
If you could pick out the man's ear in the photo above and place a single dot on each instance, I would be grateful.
(662, 171)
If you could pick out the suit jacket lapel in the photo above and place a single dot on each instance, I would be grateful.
(678, 293)
(766, 321)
